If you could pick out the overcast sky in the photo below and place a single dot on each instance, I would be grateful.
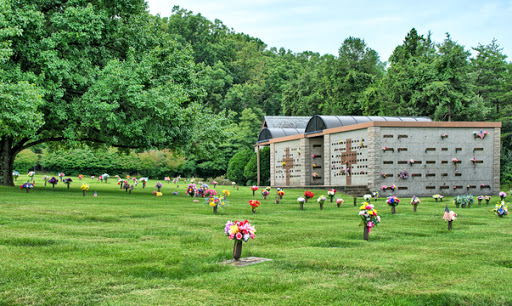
(322, 25)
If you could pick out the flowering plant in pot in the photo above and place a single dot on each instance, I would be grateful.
(487, 199)
(144, 180)
(225, 194)
(167, 179)
(214, 183)
(80, 177)
(393, 201)
(375, 195)
(31, 174)
(239, 231)
(105, 177)
(254, 204)
(158, 186)
(15, 175)
(215, 202)
(331, 193)
(369, 218)
(280, 193)
(61, 175)
(450, 216)
(321, 200)
(502, 195)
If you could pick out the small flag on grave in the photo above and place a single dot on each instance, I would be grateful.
(446, 215)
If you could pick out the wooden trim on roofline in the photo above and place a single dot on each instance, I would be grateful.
(405, 124)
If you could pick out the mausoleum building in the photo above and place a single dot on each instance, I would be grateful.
(393, 155)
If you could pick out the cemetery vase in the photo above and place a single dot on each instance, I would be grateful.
(126, 190)
(44, 183)
(253, 193)
(253, 211)
(237, 250)
(486, 202)
(280, 197)
(121, 186)
(158, 189)
(143, 185)
(301, 206)
(68, 186)
(331, 199)
(83, 192)
(264, 197)
(16, 179)
(366, 230)
(436, 199)
(60, 178)
(393, 210)
(449, 225)
(501, 216)
(130, 191)
(53, 186)
(215, 209)
(338, 205)
(457, 205)
(355, 202)
(28, 189)
(479, 201)
(306, 200)
(225, 198)
(106, 179)
(415, 207)
(277, 200)
(237, 188)
(321, 206)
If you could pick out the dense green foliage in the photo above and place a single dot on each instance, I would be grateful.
(59, 247)
(116, 75)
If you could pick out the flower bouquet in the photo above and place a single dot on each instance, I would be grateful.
(144, 180)
(61, 175)
(233, 184)
(301, 201)
(105, 177)
(84, 187)
(438, 197)
(375, 195)
(158, 186)
(127, 187)
(264, 193)
(414, 202)
(210, 193)
(31, 174)
(167, 179)
(480, 198)
(27, 186)
(501, 209)
(192, 190)
(321, 200)
(254, 204)
(455, 161)
(393, 201)
(239, 231)
(369, 218)
(214, 183)
(80, 177)
(331, 193)
(339, 201)
(53, 181)
(502, 195)
(308, 195)
(15, 174)
(215, 202)
(367, 197)
(280, 193)
(45, 179)
(67, 181)
(254, 188)
(487, 199)
(226, 194)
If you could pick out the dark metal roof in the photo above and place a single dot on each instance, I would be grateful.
(266, 134)
(285, 122)
(319, 123)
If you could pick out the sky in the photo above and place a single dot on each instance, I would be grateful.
(322, 25)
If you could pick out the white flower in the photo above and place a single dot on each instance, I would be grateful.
(361, 212)
(246, 237)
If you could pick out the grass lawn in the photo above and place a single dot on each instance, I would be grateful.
(59, 247)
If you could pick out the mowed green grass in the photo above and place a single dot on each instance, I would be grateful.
(59, 247)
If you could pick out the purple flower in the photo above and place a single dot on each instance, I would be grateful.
(53, 180)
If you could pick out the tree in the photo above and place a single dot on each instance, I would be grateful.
(237, 165)
(102, 72)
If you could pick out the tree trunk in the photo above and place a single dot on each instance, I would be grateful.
(6, 162)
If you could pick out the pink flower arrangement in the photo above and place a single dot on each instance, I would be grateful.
(239, 230)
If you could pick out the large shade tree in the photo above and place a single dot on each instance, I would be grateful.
(94, 72)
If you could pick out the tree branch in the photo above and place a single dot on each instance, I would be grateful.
(28, 145)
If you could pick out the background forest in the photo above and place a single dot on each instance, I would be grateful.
(243, 79)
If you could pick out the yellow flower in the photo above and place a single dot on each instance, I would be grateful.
(233, 229)
(362, 207)
(212, 203)
(375, 211)
(85, 187)
(158, 194)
